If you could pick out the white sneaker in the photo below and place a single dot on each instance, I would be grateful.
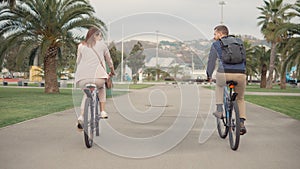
(103, 115)
(80, 123)
(80, 119)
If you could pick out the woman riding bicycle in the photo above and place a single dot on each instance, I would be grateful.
(91, 52)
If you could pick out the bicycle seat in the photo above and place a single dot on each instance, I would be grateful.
(89, 88)
(90, 85)
(231, 82)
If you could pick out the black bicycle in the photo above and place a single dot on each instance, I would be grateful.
(230, 122)
(91, 114)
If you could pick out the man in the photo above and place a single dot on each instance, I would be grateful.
(225, 72)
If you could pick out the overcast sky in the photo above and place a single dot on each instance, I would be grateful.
(177, 19)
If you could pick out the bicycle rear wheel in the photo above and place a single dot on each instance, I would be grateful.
(234, 126)
(88, 123)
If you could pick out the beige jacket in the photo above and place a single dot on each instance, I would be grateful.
(88, 63)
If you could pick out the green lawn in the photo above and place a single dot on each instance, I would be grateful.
(131, 86)
(256, 88)
(289, 105)
(276, 88)
(19, 104)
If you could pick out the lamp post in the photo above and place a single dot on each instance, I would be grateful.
(122, 54)
(222, 3)
(156, 77)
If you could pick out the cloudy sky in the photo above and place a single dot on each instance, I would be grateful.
(177, 19)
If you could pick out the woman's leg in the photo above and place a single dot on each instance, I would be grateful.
(102, 97)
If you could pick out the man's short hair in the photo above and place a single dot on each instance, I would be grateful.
(222, 28)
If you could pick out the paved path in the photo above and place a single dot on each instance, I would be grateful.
(272, 141)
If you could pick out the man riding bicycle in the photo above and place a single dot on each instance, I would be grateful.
(226, 72)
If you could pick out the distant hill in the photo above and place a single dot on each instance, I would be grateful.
(128, 45)
(187, 52)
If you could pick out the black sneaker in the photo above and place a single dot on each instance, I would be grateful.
(243, 129)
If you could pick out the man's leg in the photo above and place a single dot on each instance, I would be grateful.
(240, 89)
(219, 94)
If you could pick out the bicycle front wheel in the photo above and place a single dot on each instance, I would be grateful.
(234, 126)
(222, 127)
(222, 124)
(97, 118)
(88, 123)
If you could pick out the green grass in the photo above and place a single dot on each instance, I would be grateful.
(276, 88)
(19, 104)
(256, 88)
(131, 86)
(289, 105)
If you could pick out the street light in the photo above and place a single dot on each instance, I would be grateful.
(122, 54)
(222, 3)
(156, 77)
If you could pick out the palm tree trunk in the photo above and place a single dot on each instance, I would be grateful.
(250, 78)
(282, 82)
(272, 65)
(50, 64)
(263, 82)
(283, 75)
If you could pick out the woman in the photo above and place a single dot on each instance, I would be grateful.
(92, 55)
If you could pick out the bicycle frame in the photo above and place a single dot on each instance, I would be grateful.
(229, 97)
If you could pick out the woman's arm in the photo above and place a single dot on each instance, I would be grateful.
(79, 54)
(109, 61)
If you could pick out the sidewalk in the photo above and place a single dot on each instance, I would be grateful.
(52, 141)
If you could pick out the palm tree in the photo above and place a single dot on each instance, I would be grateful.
(262, 58)
(150, 73)
(10, 2)
(273, 14)
(175, 70)
(45, 27)
(250, 60)
(289, 55)
(290, 48)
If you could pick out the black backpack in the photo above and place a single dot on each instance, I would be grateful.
(233, 51)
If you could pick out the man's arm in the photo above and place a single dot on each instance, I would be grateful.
(213, 55)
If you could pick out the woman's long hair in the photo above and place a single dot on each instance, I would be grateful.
(90, 36)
